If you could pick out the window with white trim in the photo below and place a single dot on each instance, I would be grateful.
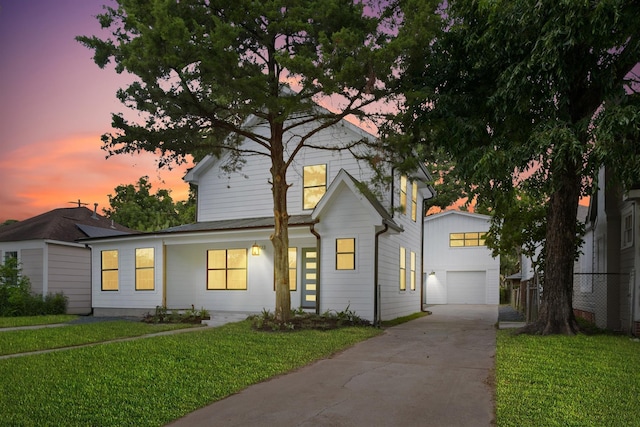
(227, 269)
(109, 267)
(626, 239)
(145, 269)
(403, 269)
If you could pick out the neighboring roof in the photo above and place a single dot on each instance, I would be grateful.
(461, 213)
(64, 224)
(365, 196)
(516, 276)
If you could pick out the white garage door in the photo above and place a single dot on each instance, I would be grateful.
(466, 287)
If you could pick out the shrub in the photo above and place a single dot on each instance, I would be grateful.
(16, 298)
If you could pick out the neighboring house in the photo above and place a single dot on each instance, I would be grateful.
(460, 268)
(50, 255)
(348, 248)
(606, 285)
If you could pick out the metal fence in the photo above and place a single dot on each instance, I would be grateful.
(595, 298)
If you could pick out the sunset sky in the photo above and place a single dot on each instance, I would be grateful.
(55, 103)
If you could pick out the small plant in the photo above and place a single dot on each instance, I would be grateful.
(164, 315)
(301, 320)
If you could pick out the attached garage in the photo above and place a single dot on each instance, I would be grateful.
(459, 267)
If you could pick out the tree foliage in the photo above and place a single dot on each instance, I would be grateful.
(530, 99)
(204, 67)
(134, 206)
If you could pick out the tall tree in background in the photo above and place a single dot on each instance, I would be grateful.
(204, 67)
(135, 207)
(527, 97)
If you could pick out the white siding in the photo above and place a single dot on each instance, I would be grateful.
(70, 273)
(126, 297)
(347, 218)
(223, 195)
(453, 264)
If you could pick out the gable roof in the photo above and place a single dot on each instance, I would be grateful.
(440, 215)
(64, 224)
(367, 199)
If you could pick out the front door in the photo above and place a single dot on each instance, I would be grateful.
(309, 277)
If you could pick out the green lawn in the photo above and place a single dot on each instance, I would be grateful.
(586, 380)
(149, 382)
(23, 341)
(11, 322)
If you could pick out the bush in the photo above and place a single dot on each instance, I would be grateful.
(16, 298)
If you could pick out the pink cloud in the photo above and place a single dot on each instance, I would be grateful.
(49, 174)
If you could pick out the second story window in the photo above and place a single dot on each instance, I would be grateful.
(314, 185)
(403, 194)
(457, 240)
(414, 201)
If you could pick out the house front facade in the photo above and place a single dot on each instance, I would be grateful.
(351, 245)
(459, 267)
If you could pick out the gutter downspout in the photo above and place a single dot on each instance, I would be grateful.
(164, 275)
(376, 303)
(318, 259)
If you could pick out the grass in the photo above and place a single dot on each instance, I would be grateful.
(23, 341)
(152, 381)
(12, 322)
(586, 380)
(404, 319)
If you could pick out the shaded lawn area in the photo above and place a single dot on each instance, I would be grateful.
(586, 380)
(12, 342)
(11, 322)
(149, 382)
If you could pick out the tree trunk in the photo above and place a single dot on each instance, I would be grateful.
(556, 309)
(280, 236)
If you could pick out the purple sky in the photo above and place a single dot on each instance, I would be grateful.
(55, 104)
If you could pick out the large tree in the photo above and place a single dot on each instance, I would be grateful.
(203, 67)
(530, 98)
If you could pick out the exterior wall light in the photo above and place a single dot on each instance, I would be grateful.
(255, 249)
(433, 273)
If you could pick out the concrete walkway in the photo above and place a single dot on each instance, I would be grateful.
(433, 371)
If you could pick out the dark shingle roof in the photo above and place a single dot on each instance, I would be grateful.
(64, 224)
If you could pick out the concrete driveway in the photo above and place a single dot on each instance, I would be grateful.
(433, 371)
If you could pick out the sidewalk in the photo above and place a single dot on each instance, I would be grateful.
(433, 371)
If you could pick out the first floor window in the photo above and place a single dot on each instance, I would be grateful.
(227, 269)
(293, 270)
(345, 254)
(109, 270)
(412, 271)
(145, 271)
(403, 269)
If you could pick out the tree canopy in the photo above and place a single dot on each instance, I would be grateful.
(135, 207)
(529, 99)
(203, 67)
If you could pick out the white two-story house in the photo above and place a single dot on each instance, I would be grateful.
(348, 248)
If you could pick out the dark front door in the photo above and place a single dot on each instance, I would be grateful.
(309, 277)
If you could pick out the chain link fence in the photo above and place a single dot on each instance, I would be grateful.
(595, 298)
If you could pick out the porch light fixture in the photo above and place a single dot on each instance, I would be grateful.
(433, 273)
(255, 249)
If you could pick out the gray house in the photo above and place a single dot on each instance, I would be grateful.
(606, 283)
(50, 255)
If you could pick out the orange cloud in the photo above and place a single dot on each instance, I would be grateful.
(50, 174)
